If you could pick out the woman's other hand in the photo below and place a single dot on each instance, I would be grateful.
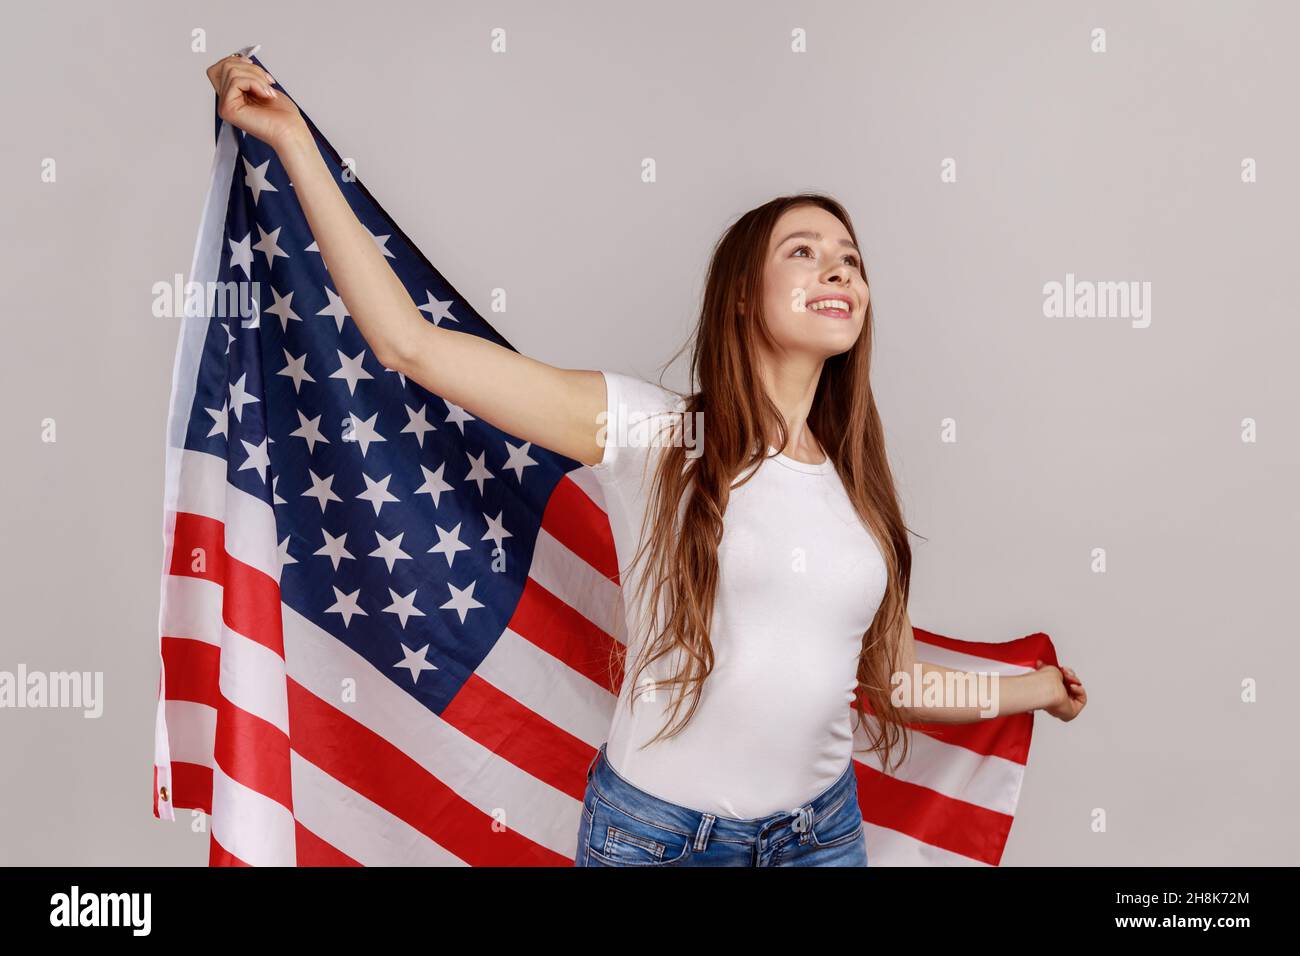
(247, 100)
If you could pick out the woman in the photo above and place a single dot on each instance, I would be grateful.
(770, 565)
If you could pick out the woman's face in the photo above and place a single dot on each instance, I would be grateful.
(811, 261)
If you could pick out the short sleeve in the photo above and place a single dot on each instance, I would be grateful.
(638, 420)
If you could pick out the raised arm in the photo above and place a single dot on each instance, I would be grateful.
(553, 407)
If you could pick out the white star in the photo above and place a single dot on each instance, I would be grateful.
(363, 433)
(308, 430)
(376, 492)
(433, 485)
(458, 415)
(403, 607)
(346, 604)
(296, 369)
(229, 338)
(321, 490)
(241, 254)
(257, 458)
(478, 470)
(255, 179)
(283, 309)
(438, 309)
(350, 370)
(496, 529)
(221, 421)
(448, 543)
(335, 308)
(267, 245)
(239, 398)
(461, 601)
(334, 547)
(390, 549)
(415, 662)
(275, 495)
(417, 423)
(517, 458)
(283, 557)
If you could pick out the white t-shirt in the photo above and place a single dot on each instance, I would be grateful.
(800, 580)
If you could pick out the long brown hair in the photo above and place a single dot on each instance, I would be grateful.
(688, 500)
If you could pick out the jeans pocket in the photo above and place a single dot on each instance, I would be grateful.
(621, 838)
(841, 824)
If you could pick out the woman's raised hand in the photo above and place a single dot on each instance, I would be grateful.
(247, 100)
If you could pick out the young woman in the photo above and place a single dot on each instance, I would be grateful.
(767, 563)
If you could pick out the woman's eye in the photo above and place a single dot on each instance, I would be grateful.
(852, 259)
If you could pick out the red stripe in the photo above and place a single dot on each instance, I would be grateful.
(372, 766)
(254, 752)
(513, 732)
(545, 620)
(1022, 652)
(193, 669)
(250, 599)
(931, 817)
(578, 523)
(191, 787)
(218, 855)
(311, 850)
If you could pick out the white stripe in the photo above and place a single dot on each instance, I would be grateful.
(249, 521)
(579, 585)
(204, 266)
(520, 669)
(585, 479)
(991, 782)
(358, 827)
(253, 679)
(193, 729)
(255, 828)
(887, 847)
(192, 609)
(321, 664)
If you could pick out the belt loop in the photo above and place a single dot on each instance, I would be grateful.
(702, 834)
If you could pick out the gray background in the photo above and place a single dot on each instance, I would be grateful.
(523, 171)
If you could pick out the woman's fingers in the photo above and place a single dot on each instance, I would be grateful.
(221, 73)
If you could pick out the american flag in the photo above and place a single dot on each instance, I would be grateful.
(384, 624)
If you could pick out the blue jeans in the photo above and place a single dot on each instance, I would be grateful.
(623, 825)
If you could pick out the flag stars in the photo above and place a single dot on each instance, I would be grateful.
(221, 421)
(458, 415)
(418, 424)
(517, 459)
(350, 370)
(258, 458)
(268, 246)
(448, 543)
(403, 607)
(415, 662)
(308, 430)
(433, 485)
(377, 492)
(462, 601)
(336, 308)
(390, 549)
(283, 309)
(255, 179)
(334, 548)
(437, 309)
(496, 530)
(346, 604)
(239, 397)
(320, 489)
(283, 557)
(478, 471)
(241, 254)
(363, 432)
(296, 369)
